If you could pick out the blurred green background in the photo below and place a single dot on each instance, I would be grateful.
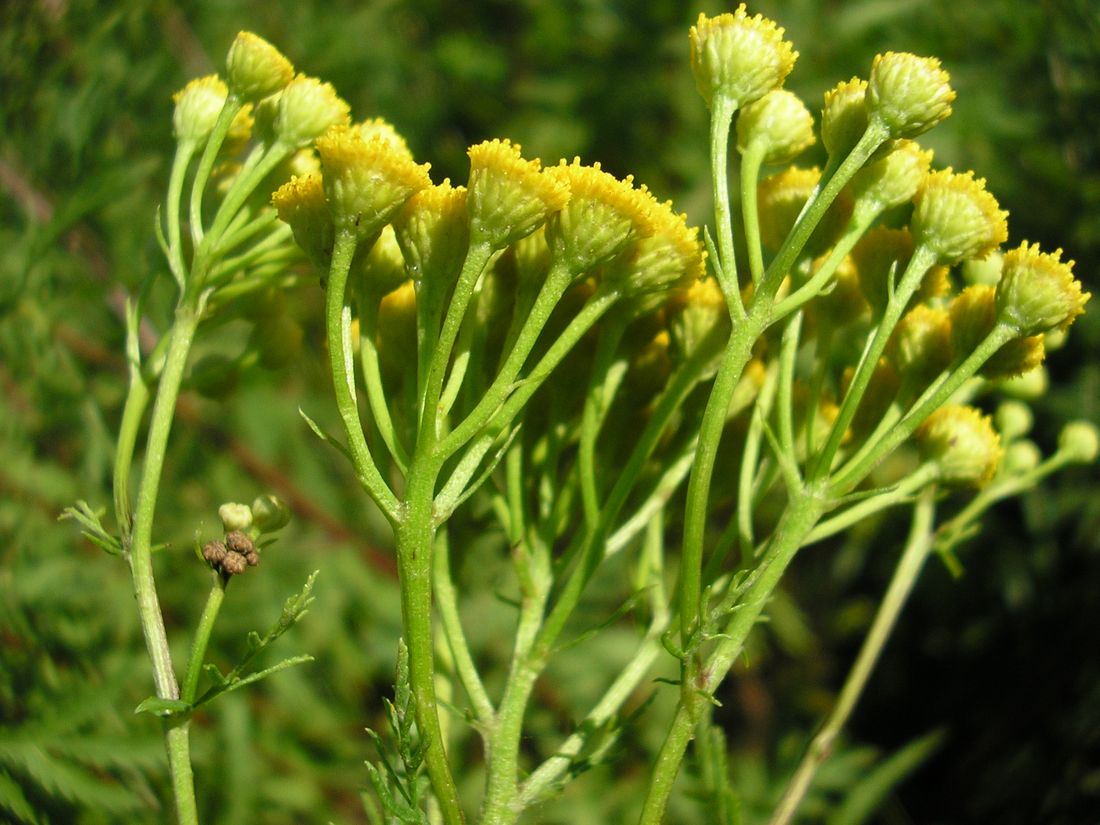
(1003, 661)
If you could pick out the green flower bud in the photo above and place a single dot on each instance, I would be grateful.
(198, 105)
(908, 94)
(956, 217)
(508, 197)
(738, 57)
(1030, 386)
(844, 118)
(984, 270)
(1013, 419)
(307, 109)
(1020, 457)
(1037, 291)
(255, 69)
(778, 123)
(270, 513)
(890, 181)
(366, 182)
(1079, 442)
(973, 314)
(603, 215)
(963, 443)
(235, 516)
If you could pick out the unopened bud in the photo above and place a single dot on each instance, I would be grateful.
(908, 94)
(255, 69)
(778, 124)
(963, 443)
(235, 516)
(1037, 291)
(1079, 442)
(198, 105)
(269, 513)
(738, 57)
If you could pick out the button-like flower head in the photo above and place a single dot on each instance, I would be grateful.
(366, 182)
(963, 443)
(738, 57)
(306, 109)
(779, 123)
(1037, 291)
(197, 107)
(255, 69)
(509, 197)
(908, 94)
(956, 217)
(301, 203)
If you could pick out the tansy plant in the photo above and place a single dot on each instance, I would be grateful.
(548, 353)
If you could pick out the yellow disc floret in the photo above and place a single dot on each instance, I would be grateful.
(508, 196)
(366, 181)
(738, 57)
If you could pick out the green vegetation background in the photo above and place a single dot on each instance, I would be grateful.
(1003, 661)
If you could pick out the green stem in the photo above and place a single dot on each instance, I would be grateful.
(597, 401)
(798, 519)
(137, 401)
(185, 150)
(446, 598)
(202, 638)
(922, 260)
(414, 534)
(141, 557)
(372, 380)
(337, 325)
(750, 175)
(750, 458)
(844, 480)
(917, 549)
(721, 116)
(788, 352)
(206, 163)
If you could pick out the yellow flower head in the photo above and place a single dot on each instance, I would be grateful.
(892, 180)
(738, 57)
(956, 217)
(255, 69)
(381, 269)
(963, 443)
(672, 257)
(779, 124)
(301, 203)
(973, 314)
(306, 109)
(921, 345)
(878, 252)
(908, 94)
(508, 197)
(603, 215)
(197, 107)
(1017, 357)
(433, 233)
(780, 199)
(1037, 291)
(844, 118)
(366, 181)
(698, 313)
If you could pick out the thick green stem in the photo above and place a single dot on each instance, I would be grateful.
(141, 557)
(415, 535)
(905, 576)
